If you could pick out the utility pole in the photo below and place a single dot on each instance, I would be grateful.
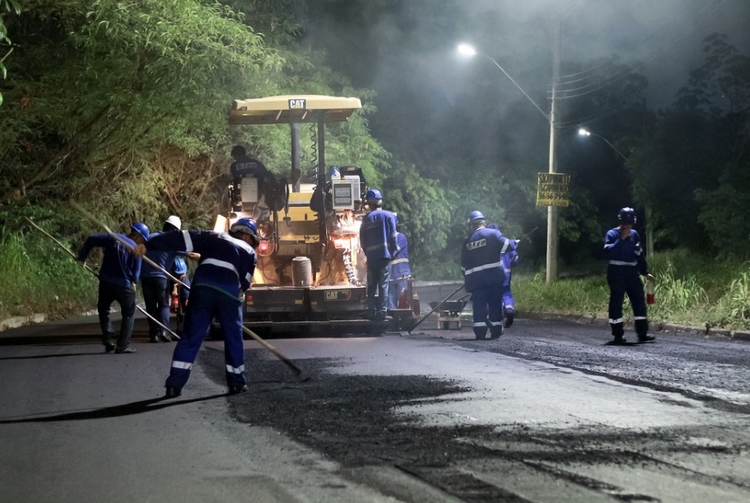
(553, 211)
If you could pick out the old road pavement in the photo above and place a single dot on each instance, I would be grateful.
(546, 413)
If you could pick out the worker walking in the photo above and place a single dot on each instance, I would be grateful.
(224, 272)
(484, 275)
(118, 277)
(400, 272)
(622, 247)
(155, 286)
(510, 261)
(377, 236)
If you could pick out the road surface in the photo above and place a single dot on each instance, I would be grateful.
(546, 413)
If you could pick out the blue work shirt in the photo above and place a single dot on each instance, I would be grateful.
(377, 235)
(626, 253)
(226, 264)
(481, 259)
(400, 264)
(248, 166)
(164, 258)
(119, 266)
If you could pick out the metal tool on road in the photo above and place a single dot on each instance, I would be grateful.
(299, 373)
(85, 266)
(437, 306)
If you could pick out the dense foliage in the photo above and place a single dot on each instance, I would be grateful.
(122, 108)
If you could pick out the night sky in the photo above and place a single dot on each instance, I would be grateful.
(405, 51)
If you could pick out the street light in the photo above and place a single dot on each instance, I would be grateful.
(586, 132)
(552, 211)
(470, 51)
(649, 227)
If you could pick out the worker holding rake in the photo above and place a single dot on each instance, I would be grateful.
(224, 272)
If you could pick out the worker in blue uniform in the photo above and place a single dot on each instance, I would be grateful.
(400, 272)
(510, 261)
(484, 275)
(224, 273)
(176, 290)
(622, 247)
(118, 277)
(154, 284)
(377, 235)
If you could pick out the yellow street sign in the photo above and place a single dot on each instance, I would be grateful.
(552, 189)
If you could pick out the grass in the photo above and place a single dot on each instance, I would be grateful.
(39, 277)
(690, 290)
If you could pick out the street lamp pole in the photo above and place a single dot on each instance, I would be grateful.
(552, 211)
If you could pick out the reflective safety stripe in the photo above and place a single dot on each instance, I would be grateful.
(505, 246)
(188, 241)
(637, 318)
(483, 267)
(620, 262)
(223, 264)
(615, 322)
(400, 261)
(496, 323)
(507, 271)
(235, 370)
(376, 247)
(182, 365)
(479, 324)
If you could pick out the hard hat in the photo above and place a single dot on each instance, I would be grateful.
(141, 229)
(476, 215)
(174, 221)
(627, 216)
(245, 226)
(374, 195)
(334, 173)
(180, 267)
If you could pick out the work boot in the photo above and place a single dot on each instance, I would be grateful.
(154, 339)
(126, 349)
(495, 333)
(108, 347)
(172, 392)
(619, 339)
(233, 390)
(646, 338)
(509, 318)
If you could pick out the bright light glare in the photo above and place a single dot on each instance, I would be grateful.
(584, 132)
(466, 50)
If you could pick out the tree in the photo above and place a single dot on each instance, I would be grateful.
(6, 6)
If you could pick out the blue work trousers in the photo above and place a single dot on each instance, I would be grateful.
(205, 304)
(487, 304)
(123, 295)
(394, 292)
(378, 277)
(508, 302)
(622, 280)
(156, 298)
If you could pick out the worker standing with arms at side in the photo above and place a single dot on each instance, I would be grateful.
(224, 272)
(118, 277)
(377, 236)
(154, 284)
(622, 247)
(400, 272)
(482, 265)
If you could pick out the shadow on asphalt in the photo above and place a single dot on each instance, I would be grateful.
(126, 409)
(34, 357)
